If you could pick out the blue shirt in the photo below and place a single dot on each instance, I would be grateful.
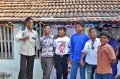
(77, 44)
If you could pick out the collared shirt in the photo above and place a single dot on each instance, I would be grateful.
(76, 46)
(61, 45)
(28, 47)
(91, 57)
(105, 56)
(47, 46)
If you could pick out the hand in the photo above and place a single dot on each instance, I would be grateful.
(82, 63)
(25, 38)
(71, 61)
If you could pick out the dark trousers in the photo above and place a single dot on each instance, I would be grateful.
(26, 67)
(61, 66)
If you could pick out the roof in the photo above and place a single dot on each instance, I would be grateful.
(60, 10)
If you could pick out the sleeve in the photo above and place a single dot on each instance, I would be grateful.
(85, 48)
(71, 48)
(19, 35)
(54, 43)
(111, 53)
(37, 41)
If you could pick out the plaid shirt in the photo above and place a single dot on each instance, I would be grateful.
(28, 47)
(47, 46)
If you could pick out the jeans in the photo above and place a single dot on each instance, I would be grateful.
(61, 66)
(90, 71)
(74, 70)
(102, 76)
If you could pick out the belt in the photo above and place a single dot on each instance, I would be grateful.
(66, 55)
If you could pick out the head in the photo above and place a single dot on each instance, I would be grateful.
(61, 31)
(47, 29)
(29, 22)
(104, 38)
(79, 27)
(92, 33)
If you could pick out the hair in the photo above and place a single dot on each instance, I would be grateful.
(80, 23)
(92, 29)
(47, 25)
(105, 34)
(61, 28)
(27, 19)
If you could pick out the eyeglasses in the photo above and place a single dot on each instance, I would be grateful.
(92, 46)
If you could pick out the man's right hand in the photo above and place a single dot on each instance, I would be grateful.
(25, 38)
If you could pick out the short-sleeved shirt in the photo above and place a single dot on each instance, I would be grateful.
(91, 57)
(46, 44)
(105, 56)
(61, 45)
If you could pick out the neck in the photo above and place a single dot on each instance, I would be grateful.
(93, 39)
(47, 34)
(30, 29)
(80, 32)
(62, 36)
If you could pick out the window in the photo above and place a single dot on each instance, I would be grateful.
(6, 43)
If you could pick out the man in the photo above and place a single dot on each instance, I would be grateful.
(47, 53)
(78, 41)
(29, 39)
(61, 45)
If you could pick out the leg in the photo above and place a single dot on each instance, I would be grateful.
(82, 72)
(49, 66)
(106, 76)
(22, 72)
(58, 67)
(30, 63)
(43, 65)
(90, 71)
(74, 70)
(64, 68)
(97, 76)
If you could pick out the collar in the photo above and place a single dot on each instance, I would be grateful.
(104, 46)
(95, 40)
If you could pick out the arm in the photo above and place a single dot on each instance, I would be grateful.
(116, 52)
(111, 55)
(84, 52)
(82, 59)
(19, 36)
(71, 50)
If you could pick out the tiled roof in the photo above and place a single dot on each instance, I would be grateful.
(70, 10)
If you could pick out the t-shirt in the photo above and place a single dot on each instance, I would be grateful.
(61, 45)
(105, 56)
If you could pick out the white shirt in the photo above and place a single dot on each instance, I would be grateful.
(47, 46)
(28, 47)
(61, 45)
(91, 57)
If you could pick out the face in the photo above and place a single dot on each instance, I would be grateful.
(47, 30)
(104, 40)
(61, 32)
(93, 34)
(29, 24)
(79, 28)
